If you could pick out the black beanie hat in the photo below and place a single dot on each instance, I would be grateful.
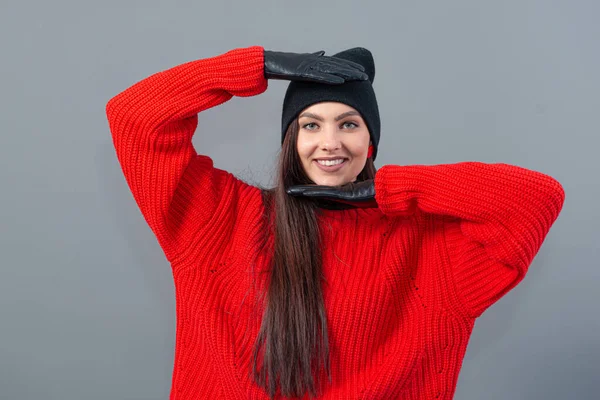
(357, 94)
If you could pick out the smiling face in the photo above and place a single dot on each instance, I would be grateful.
(333, 141)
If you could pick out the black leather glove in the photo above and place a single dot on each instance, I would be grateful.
(357, 194)
(311, 67)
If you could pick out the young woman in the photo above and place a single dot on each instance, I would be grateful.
(342, 281)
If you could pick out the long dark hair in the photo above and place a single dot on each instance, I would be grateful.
(294, 327)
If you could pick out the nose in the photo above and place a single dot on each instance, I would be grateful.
(330, 140)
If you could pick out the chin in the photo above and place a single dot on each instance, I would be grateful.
(330, 181)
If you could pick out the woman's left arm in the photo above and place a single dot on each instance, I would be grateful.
(498, 216)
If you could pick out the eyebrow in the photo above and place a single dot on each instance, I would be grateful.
(319, 118)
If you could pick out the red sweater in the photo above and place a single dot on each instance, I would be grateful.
(406, 280)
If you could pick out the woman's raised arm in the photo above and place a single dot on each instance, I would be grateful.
(496, 219)
(152, 124)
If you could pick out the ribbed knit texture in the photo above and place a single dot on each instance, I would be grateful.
(404, 282)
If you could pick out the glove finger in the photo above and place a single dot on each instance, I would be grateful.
(295, 191)
(345, 63)
(344, 71)
(319, 77)
(328, 194)
(333, 79)
(299, 190)
(349, 74)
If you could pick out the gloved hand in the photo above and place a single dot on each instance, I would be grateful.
(311, 67)
(358, 194)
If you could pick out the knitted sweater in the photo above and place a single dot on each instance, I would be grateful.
(405, 281)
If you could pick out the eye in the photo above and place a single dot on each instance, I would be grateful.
(306, 126)
(353, 125)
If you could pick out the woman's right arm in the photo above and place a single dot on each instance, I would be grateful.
(152, 124)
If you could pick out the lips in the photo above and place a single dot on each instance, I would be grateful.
(331, 168)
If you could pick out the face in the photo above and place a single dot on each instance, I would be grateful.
(337, 133)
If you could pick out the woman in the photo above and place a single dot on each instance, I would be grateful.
(342, 282)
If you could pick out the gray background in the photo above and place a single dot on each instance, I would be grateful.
(87, 307)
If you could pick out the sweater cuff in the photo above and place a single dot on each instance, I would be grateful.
(396, 191)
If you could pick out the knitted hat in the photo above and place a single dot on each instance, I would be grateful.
(357, 94)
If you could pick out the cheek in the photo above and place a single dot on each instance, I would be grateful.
(302, 152)
(304, 148)
(360, 148)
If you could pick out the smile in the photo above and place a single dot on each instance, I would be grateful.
(331, 165)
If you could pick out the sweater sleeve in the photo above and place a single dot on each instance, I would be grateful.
(152, 124)
(496, 217)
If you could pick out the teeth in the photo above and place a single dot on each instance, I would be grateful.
(331, 162)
